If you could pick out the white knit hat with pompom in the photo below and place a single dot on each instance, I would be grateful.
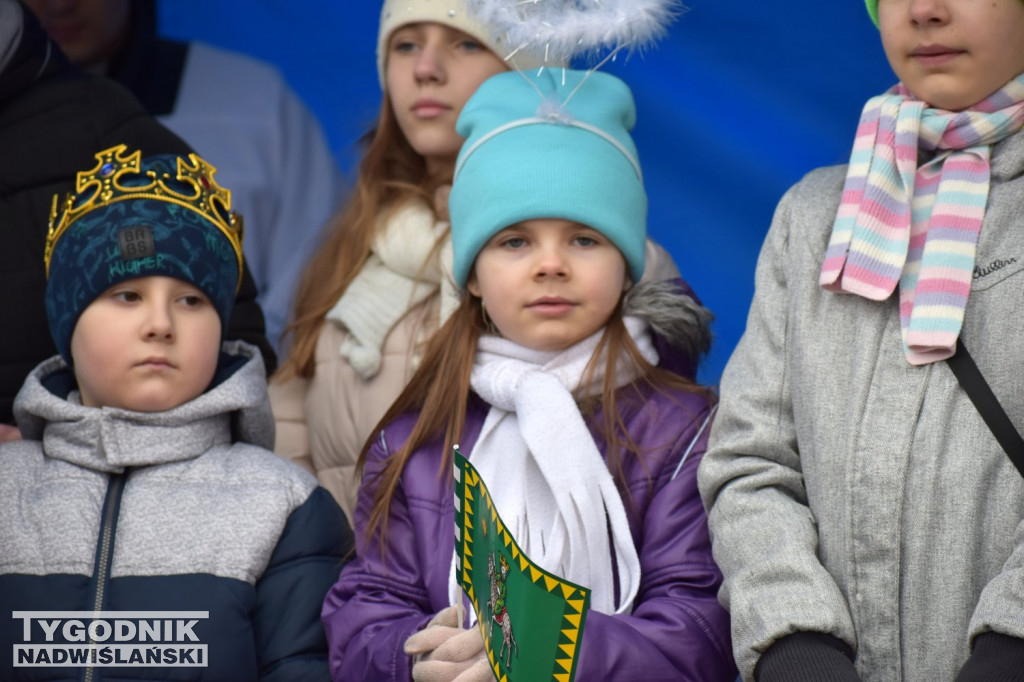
(397, 13)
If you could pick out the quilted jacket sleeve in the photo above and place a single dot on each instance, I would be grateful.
(314, 545)
(372, 610)
(677, 631)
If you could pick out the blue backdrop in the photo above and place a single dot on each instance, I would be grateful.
(734, 105)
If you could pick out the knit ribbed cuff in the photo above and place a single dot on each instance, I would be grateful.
(994, 658)
(807, 657)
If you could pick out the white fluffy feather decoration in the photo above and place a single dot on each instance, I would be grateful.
(559, 30)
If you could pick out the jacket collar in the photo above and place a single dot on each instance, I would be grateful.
(111, 439)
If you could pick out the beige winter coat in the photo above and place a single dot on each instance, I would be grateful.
(323, 422)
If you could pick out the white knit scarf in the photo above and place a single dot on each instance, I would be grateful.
(549, 483)
(396, 278)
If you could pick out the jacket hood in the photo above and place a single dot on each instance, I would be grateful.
(10, 30)
(234, 409)
(677, 318)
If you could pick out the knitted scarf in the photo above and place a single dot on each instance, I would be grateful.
(549, 482)
(918, 227)
(395, 278)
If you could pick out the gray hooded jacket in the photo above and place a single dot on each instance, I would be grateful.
(114, 510)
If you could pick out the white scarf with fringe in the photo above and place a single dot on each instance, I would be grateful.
(549, 483)
(397, 277)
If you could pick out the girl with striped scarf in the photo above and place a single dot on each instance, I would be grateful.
(868, 524)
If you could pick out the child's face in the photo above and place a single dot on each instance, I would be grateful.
(953, 53)
(431, 71)
(549, 283)
(88, 31)
(149, 344)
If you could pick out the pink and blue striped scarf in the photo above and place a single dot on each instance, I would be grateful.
(918, 227)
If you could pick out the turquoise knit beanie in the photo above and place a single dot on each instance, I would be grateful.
(553, 144)
(872, 10)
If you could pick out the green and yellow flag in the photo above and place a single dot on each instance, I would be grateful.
(531, 620)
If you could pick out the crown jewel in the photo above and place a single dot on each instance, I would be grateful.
(193, 188)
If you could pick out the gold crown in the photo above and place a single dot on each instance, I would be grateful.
(208, 199)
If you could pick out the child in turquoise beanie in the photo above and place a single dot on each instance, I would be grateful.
(550, 377)
(582, 164)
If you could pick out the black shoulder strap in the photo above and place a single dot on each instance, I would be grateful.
(977, 389)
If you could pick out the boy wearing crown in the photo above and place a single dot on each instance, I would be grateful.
(144, 492)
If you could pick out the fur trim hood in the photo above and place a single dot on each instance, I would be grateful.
(674, 314)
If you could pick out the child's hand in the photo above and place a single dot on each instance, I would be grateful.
(444, 652)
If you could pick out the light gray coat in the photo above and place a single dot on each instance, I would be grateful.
(851, 493)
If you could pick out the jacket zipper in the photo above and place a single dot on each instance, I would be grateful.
(106, 550)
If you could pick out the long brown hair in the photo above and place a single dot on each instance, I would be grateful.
(391, 172)
(439, 392)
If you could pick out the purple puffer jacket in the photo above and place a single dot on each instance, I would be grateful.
(678, 631)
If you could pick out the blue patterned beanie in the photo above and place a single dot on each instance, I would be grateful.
(553, 144)
(132, 217)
